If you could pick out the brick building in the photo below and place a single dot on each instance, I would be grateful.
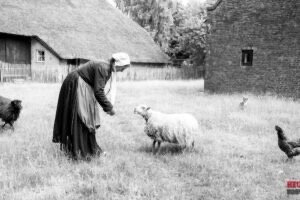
(254, 46)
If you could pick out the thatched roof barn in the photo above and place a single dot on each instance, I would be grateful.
(85, 29)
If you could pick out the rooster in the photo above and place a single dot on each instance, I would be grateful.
(289, 147)
(9, 111)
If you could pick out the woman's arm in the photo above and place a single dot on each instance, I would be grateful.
(99, 84)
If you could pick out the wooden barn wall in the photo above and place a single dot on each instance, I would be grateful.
(14, 49)
(23, 50)
(271, 29)
(47, 71)
(2, 49)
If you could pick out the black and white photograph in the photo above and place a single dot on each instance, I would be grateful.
(149, 99)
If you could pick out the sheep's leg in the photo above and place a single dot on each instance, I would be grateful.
(193, 145)
(12, 126)
(3, 125)
(291, 160)
(158, 147)
(189, 147)
(153, 147)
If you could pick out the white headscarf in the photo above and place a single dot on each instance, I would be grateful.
(121, 59)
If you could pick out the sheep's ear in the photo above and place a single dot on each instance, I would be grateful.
(148, 108)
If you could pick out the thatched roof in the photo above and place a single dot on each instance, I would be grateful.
(214, 6)
(90, 29)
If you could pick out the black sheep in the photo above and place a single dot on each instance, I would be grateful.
(289, 147)
(9, 110)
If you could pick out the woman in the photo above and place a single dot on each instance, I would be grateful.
(77, 114)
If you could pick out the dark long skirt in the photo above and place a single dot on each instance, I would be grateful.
(69, 130)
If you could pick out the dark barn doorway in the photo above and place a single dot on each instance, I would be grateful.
(15, 49)
(15, 57)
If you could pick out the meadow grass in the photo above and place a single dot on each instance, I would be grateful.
(236, 154)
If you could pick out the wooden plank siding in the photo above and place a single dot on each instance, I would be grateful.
(51, 73)
(2, 49)
(137, 73)
(10, 71)
(15, 49)
(57, 73)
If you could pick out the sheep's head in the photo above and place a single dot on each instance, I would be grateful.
(142, 110)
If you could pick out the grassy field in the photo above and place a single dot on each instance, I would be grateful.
(236, 154)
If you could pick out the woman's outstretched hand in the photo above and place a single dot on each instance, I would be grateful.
(111, 113)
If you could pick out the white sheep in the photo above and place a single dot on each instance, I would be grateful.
(174, 128)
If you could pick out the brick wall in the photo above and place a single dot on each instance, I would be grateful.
(271, 28)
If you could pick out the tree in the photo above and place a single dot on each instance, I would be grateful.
(179, 30)
(162, 21)
(153, 15)
(189, 34)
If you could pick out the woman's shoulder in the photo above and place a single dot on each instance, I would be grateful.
(100, 63)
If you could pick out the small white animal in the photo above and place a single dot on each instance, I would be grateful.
(174, 128)
(243, 103)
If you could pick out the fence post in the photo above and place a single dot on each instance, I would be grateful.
(47, 74)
